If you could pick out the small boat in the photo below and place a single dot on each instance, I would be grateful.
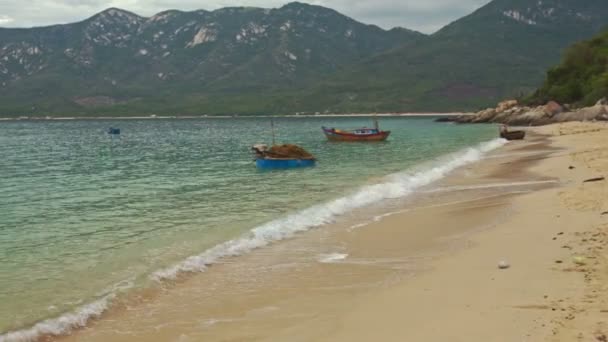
(286, 156)
(513, 135)
(114, 131)
(282, 157)
(360, 134)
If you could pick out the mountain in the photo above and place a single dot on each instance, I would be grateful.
(501, 50)
(117, 61)
(582, 76)
(291, 59)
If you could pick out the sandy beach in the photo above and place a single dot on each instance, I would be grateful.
(425, 271)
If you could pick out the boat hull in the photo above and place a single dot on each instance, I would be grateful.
(343, 136)
(513, 135)
(271, 163)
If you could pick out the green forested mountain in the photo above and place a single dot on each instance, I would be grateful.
(295, 58)
(501, 50)
(581, 78)
(180, 61)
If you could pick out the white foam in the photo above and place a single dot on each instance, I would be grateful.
(67, 322)
(60, 325)
(332, 258)
(394, 186)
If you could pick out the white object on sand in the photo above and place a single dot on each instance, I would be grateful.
(332, 258)
(579, 260)
(503, 265)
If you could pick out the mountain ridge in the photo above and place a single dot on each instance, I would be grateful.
(296, 58)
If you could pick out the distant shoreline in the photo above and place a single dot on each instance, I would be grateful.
(186, 117)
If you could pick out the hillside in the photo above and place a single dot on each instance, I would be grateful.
(192, 62)
(582, 77)
(500, 50)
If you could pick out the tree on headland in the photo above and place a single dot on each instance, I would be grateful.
(582, 77)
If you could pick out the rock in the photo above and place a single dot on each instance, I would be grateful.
(464, 118)
(506, 105)
(511, 113)
(446, 119)
(484, 116)
(534, 117)
(503, 265)
(579, 260)
(592, 113)
(553, 108)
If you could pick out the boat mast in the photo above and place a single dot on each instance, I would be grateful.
(272, 128)
(376, 126)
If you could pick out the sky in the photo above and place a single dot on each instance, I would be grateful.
(423, 15)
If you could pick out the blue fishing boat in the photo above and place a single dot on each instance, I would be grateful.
(114, 131)
(286, 156)
(282, 157)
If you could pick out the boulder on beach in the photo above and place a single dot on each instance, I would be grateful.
(592, 113)
(511, 113)
(484, 116)
(553, 108)
(506, 105)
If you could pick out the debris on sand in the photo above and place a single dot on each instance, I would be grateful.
(598, 179)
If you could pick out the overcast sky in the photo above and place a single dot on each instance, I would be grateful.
(422, 15)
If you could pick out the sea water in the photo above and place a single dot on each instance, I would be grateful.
(85, 216)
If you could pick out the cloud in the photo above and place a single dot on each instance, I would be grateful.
(4, 19)
(423, 15)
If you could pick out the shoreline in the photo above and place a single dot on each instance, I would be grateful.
(190, 117)
(215, 258)
(385, 277)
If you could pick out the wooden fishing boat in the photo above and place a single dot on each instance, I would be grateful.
(282, 157)
(287, 156)
(360, 134)
(510, 135)
(513, 135)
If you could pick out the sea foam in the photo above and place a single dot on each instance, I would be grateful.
(67, 322)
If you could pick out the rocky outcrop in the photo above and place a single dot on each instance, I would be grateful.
(512, 113)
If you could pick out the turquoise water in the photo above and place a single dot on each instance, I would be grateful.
(83, 214)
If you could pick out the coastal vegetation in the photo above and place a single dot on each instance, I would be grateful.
(582, 77)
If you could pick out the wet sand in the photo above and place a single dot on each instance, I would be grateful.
(427, 271)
